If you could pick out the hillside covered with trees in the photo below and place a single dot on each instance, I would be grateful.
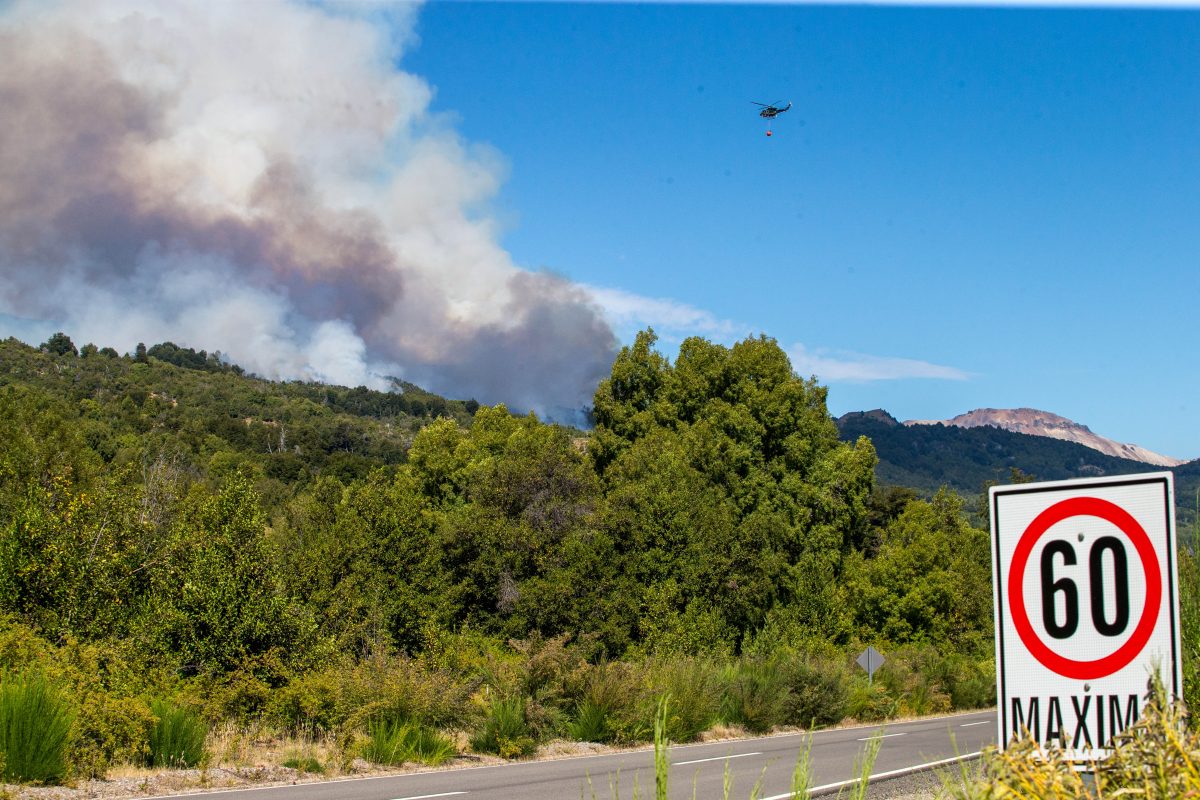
(177, 535)
(929, 457)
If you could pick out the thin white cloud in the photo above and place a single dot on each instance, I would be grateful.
(832, 366)
(672, 320)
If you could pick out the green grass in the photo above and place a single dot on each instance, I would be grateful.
(177, 739)
(396, 742)
(863, 764)
(305, 764)
(591, 724)
(802, 772)
(662, 765)
(35, 728)
(505, 732)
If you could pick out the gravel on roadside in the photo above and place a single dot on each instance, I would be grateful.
(927, 785)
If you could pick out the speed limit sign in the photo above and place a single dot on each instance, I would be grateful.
(1084, 577)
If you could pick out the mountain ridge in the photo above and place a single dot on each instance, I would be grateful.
(967, 459)
(1035, 422)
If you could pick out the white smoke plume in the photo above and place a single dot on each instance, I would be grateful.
(264, 180)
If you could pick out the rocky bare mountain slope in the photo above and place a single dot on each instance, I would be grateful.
(926, 457)
(1033, 422)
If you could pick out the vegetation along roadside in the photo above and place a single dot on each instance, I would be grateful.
(202, 570)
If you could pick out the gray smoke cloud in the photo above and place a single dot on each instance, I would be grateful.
(262, 179)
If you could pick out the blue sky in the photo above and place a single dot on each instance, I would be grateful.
(965, 207)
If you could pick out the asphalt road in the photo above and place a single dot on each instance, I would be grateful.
(771, 759)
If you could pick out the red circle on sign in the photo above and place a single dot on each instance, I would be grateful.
(1091, 507)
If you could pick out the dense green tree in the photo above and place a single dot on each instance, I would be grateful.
(218, 600)
(725, 471)
(397, 569)
(929, 582)
(70, 559)
(516, 498)
(185, 357)
(60, 345)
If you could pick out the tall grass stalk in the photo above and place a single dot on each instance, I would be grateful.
(802, 772)
(756, 790)
(863, 764)
(177, 738)
(35, 726)
(662, 764)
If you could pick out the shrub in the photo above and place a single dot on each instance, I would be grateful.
(349, 696)
(239, 694)
(871, 703)
(975, 691)
(309, 702)
(819, 691)
(103, 679)
(21, 646)
(396, 687)
(505, 731)
(919, 677)
(395, 742)
(109, 730)
(591, 724)
(177, 739)
(35, 727)
(549, 666)
(695, 690)
(616, 689)
(756, 694)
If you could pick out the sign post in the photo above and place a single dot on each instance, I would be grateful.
(1086, 608)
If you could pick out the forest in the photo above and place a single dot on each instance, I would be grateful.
(185, 548)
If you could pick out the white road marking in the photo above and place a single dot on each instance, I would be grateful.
(425, 796)
(969, 724)
(714, 758)
(884, 736)
(879, 776)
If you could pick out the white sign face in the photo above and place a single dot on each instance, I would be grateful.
(1084, 577)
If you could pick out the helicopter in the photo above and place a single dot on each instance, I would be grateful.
(770, 112)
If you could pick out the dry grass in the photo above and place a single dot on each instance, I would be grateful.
(232, 746)
(1158, 758)
(723, 732)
